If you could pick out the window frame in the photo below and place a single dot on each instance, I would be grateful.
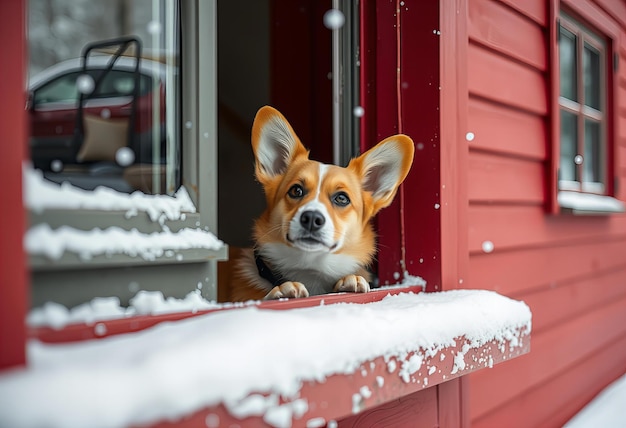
(595, 21)
(198, 75)
(582, 111)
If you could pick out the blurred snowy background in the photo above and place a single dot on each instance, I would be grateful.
(58, 29)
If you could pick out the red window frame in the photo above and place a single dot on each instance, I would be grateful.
(595, 20)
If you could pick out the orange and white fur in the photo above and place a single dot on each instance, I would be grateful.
(314, 236)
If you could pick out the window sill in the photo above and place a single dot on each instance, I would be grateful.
(409, 361)
(579, 203)
(139, 226)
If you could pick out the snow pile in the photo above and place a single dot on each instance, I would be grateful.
(52, 243)
(41, 194)
(174, 369)
(57, 316)
(589, 202)
(607, 410)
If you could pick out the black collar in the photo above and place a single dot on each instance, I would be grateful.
(265, 272)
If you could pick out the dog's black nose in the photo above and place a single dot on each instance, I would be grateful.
(312, 220)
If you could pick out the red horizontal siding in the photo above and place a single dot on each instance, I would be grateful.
(535, 10)
(497, 78)
(570, 270)
(495, 179)
(557, 399)
(506, 131)
(516, 227)
(532, 269)
(501, 28)
(562, 303)
(554, 351)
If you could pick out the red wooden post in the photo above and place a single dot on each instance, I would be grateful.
(13, 287)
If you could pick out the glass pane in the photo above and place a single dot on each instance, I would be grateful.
(591, 77)
(569, 137)
(567, 61)
(592, 166)
(99, 110)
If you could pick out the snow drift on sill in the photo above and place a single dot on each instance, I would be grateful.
(41, 194)
(42, 240)
(174, 369)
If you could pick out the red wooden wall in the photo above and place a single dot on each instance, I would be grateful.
(571, 270)
(13, 290)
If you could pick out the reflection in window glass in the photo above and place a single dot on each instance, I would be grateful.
(591, 165)
(567, 53)
(591, 69)
(568, 146)
(103, 110)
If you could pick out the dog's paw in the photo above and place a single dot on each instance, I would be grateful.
(287, 289)
(352, 284)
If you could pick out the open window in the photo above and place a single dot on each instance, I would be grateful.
(117, 114)
(584, 161)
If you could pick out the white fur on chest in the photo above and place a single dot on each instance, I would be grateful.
(317, 270)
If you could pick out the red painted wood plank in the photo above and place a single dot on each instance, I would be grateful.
(617, 10)
(555, 350)
(594, 16)
(557, 399)
(492, 125)
(533, 9)
(13, 275)
(497, 78)
(512, 227)
(507, 31)
(561, 303)
(418, 87)
(453, 158)
(497, 179)
(451, 404)
(420, 408)
(517, 273)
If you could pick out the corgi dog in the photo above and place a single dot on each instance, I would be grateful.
(315, 235)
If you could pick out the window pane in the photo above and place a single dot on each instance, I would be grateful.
(103, 115)
(569, 137)
(592, 169)
(567, 59)
(591, 77)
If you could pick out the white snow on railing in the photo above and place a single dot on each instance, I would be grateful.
(52, 243)
(57, 316)
(174, 369)
(41, 194)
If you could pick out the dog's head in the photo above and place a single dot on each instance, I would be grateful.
(318, 208)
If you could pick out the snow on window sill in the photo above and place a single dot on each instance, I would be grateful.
(282, 367)
(588, 203)
(170, 232)
(66, 246)
(41, 194)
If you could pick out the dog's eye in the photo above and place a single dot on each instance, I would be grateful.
(296, 191)
(341, 199)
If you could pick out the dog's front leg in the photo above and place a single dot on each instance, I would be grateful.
(352, 284)
(287, 289)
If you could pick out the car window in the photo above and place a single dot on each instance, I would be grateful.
(119, 83)
(61, 89)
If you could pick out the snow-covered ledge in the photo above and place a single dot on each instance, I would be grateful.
(305, 366)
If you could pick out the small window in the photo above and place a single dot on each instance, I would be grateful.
(584, 160)
(583, 109)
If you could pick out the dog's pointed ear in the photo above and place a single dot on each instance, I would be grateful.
(274, 143)
(384, 167)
